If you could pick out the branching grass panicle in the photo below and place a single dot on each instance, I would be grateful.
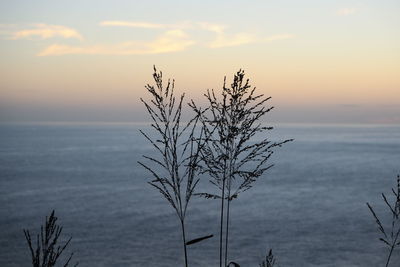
(174, 169)
(47, 250)
(390, 237)
(269, 260)
(230, 157)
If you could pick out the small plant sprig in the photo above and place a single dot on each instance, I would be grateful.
(178, 150)
(269, 260)
(47, 250)
(392, 239)
(230, 157)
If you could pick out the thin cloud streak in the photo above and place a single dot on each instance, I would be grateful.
(226, 40)
(223, 40)
(145, 25)
(45, 31)
(173, 39)
(217, 28)
(279, 37)
(170, 41)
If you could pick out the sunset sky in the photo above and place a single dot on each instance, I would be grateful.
(88, 60)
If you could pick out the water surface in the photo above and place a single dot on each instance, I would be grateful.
(310, 207)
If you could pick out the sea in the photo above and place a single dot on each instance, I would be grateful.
(309, 208)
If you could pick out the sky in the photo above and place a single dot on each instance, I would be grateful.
(89, 60)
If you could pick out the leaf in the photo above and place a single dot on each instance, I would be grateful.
(196, 240)
(207, 195)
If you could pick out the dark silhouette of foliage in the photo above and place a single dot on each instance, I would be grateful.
(390, 239)
(269, 260)
(177, 147)
(197, 240)
(47, 250)
(230, 156)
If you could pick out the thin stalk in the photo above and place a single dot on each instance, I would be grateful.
(227, 231)
(182, 219)
(231, 160)
(390, 255)
(394, 241)
(222, 203)
(222, 220)
(228, 208)
(184, 242)
(178, 165)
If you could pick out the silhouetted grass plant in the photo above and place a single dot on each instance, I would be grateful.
(391, 238)
(269, 260)
(47, 251)
(229, 155)
(178, 151)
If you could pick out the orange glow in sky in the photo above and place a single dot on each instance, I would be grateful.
(320, 61)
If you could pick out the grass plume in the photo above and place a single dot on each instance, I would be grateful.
(178, 150)
(390, 237)
(47, 251)
(229, 155)
(269, 260)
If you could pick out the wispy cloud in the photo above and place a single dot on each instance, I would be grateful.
(217, 28)
(223, 39)
(145, 25)
(279, 37)
(45, 31)
(346, 11)
(174, 38)
(170, 41)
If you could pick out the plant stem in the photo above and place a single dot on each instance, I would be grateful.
(184, 242)
(227, 231)
(231, 148)
(222, 221)
(390, 255)
(182, 219)
(227, 212)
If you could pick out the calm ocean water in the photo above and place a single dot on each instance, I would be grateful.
(310, 207)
